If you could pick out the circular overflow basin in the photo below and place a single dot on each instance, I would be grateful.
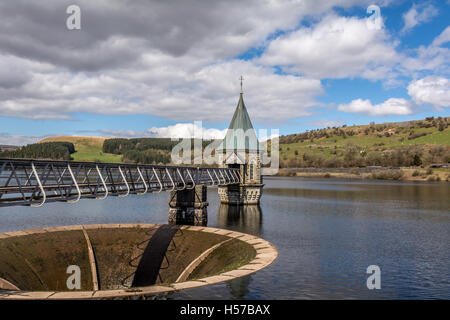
(124, 260)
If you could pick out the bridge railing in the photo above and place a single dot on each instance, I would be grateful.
(35, 182)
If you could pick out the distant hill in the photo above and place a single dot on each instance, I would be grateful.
(409, 143)
(389, 144)
(87, 148)
(117, 150)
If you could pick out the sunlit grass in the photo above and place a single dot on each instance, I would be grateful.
(88, 149)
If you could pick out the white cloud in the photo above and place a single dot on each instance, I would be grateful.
(179, 130)
(176, 61)
(392, 106)
(19, 140)
(172, 60)
(431, 90)
(208, 93)
(116, 33)
(336, 47)
(323, 123)
(183, 130)
(444, 37)
(187, 130)
(433, 58)
(418, 14)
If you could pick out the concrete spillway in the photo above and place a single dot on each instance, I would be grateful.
(124, 260)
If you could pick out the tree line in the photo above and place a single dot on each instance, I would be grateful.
(146, 157)
(145, 150)
(122, 145)
(45, 150)
(354, 156)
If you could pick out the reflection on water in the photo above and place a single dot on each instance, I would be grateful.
(239, 288)
(247, 219)
(327, 233)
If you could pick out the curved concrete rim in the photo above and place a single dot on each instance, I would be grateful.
(266, 253)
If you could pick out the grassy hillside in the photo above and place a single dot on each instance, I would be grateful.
(410, 143)
(87, 148)
(429, 138)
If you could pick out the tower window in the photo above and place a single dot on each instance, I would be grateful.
(251, 171)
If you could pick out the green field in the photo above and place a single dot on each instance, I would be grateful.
(88, 149)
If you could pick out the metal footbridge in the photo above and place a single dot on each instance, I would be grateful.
(36, 182)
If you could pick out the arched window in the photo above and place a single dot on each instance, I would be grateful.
(251, 171)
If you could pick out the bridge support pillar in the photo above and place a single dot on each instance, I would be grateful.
(189, 206)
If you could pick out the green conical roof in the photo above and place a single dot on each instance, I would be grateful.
(241, 119)
(240, 134)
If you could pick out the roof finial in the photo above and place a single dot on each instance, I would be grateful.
(241, 78)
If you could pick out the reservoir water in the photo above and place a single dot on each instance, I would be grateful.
(327, 233)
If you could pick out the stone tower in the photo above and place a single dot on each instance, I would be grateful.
(240, 149)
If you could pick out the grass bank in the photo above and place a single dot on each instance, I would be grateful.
(403, 174)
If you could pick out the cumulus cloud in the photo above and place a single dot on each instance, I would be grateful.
(177, 60)
(179, 130)
(209, 94)
(335, 47)
(116, 33)
(172, 60)
(392, 106)
(431, 90)
(418, 14)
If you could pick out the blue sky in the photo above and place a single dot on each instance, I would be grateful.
(301, 70)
